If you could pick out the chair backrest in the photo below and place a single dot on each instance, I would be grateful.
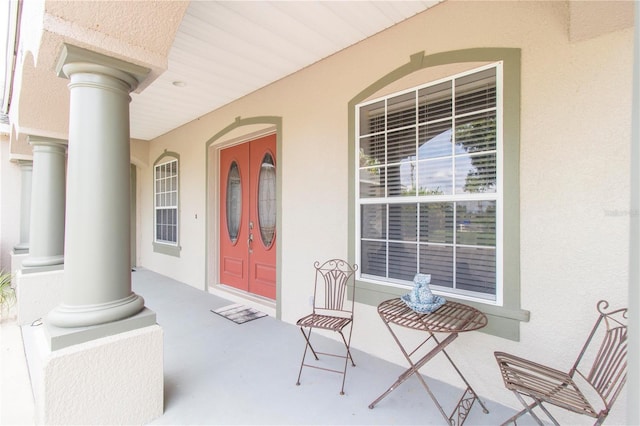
(603, 359)
(333, 280)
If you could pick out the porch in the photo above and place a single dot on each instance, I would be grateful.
(219, 372)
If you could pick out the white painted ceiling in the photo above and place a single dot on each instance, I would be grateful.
(224, 50)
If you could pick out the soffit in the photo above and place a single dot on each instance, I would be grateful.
(224, 50)
(126, 30)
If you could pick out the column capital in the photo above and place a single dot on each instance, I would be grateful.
(74, 59)
(21, 159)
(45, 141)
(25, 164)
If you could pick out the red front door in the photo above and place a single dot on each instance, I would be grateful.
(248, 217)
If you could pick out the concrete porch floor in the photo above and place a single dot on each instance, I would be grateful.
(219, 372)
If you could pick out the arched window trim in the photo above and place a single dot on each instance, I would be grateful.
(504, 320)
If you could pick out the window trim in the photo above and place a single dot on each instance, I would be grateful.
(504, 321)
(158, 246)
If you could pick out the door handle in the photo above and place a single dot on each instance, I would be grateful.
(249, 241)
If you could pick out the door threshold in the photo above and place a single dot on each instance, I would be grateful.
(260, 303)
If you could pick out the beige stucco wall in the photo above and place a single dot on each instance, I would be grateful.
(575, 137)
(9, 204)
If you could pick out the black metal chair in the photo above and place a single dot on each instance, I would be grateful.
(590, 387)
(334, 279)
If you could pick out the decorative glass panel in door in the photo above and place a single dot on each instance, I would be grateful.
(267, 200)
(233, 202)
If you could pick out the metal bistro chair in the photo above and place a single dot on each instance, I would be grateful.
(331, 310)
(590, 387)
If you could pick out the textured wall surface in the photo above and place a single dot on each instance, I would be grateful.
(574, 176)
(113, 380)
(10, 185)
(38, 293)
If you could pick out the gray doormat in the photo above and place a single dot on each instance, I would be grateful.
(239, 313)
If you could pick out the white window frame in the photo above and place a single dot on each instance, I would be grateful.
(168, 204)
(497, 196)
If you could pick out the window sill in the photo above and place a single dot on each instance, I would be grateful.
(504, 321)
(167, 249)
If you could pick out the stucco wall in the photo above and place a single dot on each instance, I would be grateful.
(116, 379)
(9, 204)
(575, 137)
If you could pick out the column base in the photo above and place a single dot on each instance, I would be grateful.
(43, 263)
(26, 270)
(62, 337)
(16, 261)
(71, 316)
(21, 248)
(37, 294)
(112, 380)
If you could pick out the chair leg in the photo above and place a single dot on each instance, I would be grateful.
(512, 419)
(346, 362)
(348, 356)
(304, 354)
(528, 408)
(548, 414)
(308, 340)
(348, 349)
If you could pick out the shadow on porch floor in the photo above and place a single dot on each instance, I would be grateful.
(219, 372)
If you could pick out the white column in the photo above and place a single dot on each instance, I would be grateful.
(97, 279)
(46, 234)
(26, 169)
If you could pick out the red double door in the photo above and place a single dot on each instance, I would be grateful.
(248, 216)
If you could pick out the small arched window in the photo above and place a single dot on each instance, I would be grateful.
(166, 199)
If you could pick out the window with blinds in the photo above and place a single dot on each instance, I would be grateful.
(166, 202)
(429, 185)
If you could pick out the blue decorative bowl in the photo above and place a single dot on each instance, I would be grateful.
(425, 306)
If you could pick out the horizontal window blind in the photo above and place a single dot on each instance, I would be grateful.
(428, 190)
(166, 202)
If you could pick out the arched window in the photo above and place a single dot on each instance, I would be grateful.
(435, 185)
(430, 184)
(166, 204)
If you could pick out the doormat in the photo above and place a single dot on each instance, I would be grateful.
(239, 313)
